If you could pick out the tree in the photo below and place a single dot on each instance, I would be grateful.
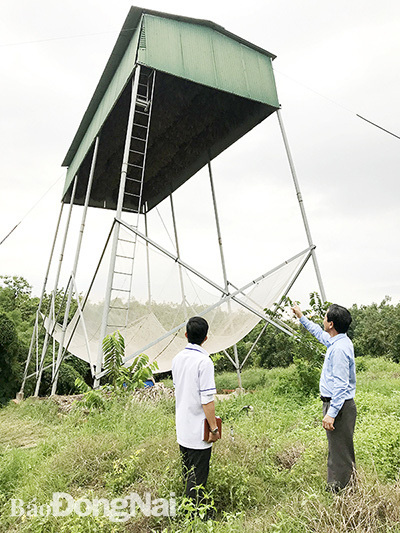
(19, 307)
(11, 359)
(118, 375)
(375, 330)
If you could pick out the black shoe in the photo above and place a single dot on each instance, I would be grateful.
(334, 488)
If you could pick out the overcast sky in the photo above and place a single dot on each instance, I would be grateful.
(333, 60)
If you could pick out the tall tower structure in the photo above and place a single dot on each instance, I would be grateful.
(175, 93)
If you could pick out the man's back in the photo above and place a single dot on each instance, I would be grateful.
(193, 377)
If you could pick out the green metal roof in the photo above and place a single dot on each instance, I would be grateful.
(225, 68)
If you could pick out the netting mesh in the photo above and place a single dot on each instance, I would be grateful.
(148, 306)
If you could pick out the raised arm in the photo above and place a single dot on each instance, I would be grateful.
(322, 336)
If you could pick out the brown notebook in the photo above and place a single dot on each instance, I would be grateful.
(207, 428)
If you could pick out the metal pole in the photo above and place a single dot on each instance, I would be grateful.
(221, 251)
(81, 318)
(211, 307)
(147, 259)
(35, 330)
(301, 204)
(75, 266)
(229, 357)
(279, 303)
(178, 255)
(124, 171)
(54, 292)
(196, 272)
(84, 300)
(205, 311)
(53, 315)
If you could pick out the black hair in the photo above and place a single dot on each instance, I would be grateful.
(340, 316)
(196, 329)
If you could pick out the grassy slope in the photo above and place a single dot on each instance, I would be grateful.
(267, 474)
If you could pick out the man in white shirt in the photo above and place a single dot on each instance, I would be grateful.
(193, 378)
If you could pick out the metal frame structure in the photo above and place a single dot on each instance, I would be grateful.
(228, 294)
(141, 84)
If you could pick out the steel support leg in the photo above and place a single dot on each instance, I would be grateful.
(303, 264)
(60, 353)
(54, 292)
(36, 328)
(221, 250)
(301, 204)
(147, 261)
(179, 256)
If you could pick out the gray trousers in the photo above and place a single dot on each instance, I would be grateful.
(341, 459)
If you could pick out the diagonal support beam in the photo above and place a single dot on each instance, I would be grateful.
(226, 297)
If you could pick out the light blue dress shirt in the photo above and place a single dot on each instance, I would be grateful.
(338, 376)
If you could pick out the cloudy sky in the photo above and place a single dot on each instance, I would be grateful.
(334, 60)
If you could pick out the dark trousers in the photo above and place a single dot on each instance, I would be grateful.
(341, 458)
(196, 465)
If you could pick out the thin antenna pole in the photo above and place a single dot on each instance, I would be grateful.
(75, 267)
(301, 204)
(118, 213)
(221, 251)
(373, 124)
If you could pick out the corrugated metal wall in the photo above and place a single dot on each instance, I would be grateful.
(203, 55)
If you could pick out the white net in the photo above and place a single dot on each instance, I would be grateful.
(150, 307)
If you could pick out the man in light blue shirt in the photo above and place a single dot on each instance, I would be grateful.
(337, 388)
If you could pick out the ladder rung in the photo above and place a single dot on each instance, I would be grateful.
(130, 209)
(119, 290)
(142, 113)
(117, 307)
(126, 240)
(140, 125)
(136, 166)
(133, 179)
(131, 194)
(136, 151)
(124, 273)
(138, 139)
(115, 326)
(124, 256)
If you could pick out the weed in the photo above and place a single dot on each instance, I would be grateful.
(268, 472)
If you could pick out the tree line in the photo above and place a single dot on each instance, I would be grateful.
(375, 332)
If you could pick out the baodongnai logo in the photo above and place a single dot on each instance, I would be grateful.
(117, 509)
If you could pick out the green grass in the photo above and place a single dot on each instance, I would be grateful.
(267, 474)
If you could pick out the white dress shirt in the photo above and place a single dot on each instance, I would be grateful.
(193, 378)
